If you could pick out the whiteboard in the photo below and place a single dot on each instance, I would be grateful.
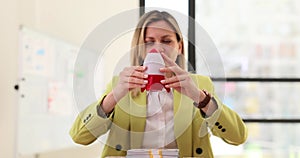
(46, 108)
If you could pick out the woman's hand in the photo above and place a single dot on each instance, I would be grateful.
(181, 81)
(130, 78)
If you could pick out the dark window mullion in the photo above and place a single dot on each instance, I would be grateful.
(260, 120)
(142, 7)
(191, 37)
(256, 79)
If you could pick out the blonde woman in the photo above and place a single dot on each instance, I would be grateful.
(179, 119)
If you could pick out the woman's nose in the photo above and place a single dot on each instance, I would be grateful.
(159, 47)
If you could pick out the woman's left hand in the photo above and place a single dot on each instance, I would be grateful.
(181, 81)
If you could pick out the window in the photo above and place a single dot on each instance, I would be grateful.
(258, 42)
(257, 38)
(257, 47)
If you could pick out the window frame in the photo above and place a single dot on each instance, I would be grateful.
(192, 66)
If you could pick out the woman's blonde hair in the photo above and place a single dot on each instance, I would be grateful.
(138, 52)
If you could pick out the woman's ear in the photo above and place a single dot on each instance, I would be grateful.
(180, 45)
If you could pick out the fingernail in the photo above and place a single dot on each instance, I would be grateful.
(163, 81)
(145, 81)
(145, 75)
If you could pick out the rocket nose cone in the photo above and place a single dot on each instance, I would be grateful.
(153, 51)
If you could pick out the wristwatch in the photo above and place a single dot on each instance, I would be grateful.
(205, 101)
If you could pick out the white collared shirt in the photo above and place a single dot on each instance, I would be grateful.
(159, 129)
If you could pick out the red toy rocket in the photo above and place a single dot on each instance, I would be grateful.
(154, 62)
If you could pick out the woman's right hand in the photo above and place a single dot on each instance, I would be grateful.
(130, 78)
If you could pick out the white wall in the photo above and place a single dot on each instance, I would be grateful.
(70, 20)
(8, 70)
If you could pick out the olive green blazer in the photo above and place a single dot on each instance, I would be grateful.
(126, 124)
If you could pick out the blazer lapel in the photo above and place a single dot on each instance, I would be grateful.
(183, 117)
(137, 120)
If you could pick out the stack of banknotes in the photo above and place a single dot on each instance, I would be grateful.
(153, 153)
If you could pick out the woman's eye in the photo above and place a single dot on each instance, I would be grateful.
(166, 41)
(149, 42)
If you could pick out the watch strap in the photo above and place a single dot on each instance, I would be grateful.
(205, 101)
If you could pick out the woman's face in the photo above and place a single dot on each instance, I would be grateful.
(160, 35)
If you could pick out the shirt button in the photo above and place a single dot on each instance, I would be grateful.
(199, 151)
